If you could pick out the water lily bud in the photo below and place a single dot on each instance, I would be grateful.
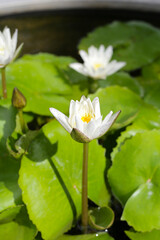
(18, 99)
(85, 120)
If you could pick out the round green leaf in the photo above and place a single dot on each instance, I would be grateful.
(124, 80)
(152, 71)
(9, 214)
(20, 229)
(13, 230)
(10, 194)
(139, 186)
(117, 98)
(142, 209)
(99, 236)
(101, 218)
(7, 122)
(150, 81)
(152, 89)
(155, 234)
(44, 82)
(148, 118)
(50, 179)
(136, 43)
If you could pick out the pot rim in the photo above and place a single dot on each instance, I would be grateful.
(23, 6)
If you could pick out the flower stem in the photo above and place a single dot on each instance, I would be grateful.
(4, 89)
(23, 125)
(93, 85)
(85, 188)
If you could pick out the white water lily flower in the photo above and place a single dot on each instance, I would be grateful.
(8, 46)
(85, 120)
(97, 63)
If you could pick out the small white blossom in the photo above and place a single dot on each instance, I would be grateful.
(8, 46)
(97, 63)
(85, 120)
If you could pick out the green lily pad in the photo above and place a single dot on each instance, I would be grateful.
(152, 71)
(117, 98)
(7, 122)
(99, 236)
(10, 193)
(50, 179)
(136, 43)
(101, 218)
(124, 80)
(138, 188)
(9, 214)
(155, 234)
(142, 208)
(44, 82)
(150, 80)
(148, 118)
(21, 228)
(18, 145)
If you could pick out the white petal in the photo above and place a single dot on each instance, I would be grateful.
(79, 124)
(104, 127)
(71, 119)
(4, 60)
(101, 49)
(14, 40)
(107, 118)
(7, 36)
(83, 98)
(62, 119)
(17, 52)
(92, 51)
(114, 66)
(96, 107)
(83, 55)
(79, 68)
(2, 39)
(90, 105)
(91, 127)
(108, 53)
(72, 108)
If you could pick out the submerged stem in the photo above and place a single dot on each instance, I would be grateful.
(4, 88)
(85, 188)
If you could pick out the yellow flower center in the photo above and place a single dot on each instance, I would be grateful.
(97, 65)
(87, 118)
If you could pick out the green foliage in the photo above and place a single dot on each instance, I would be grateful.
(41, 169)
(101, 218)
(10, 194)
(44, 81)
(136, 43)
(99, 236)
(124, 80)
(155, 234)
(115, 98)
(138, 188)
(50, 179)
(150, 80)
(20, 228)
